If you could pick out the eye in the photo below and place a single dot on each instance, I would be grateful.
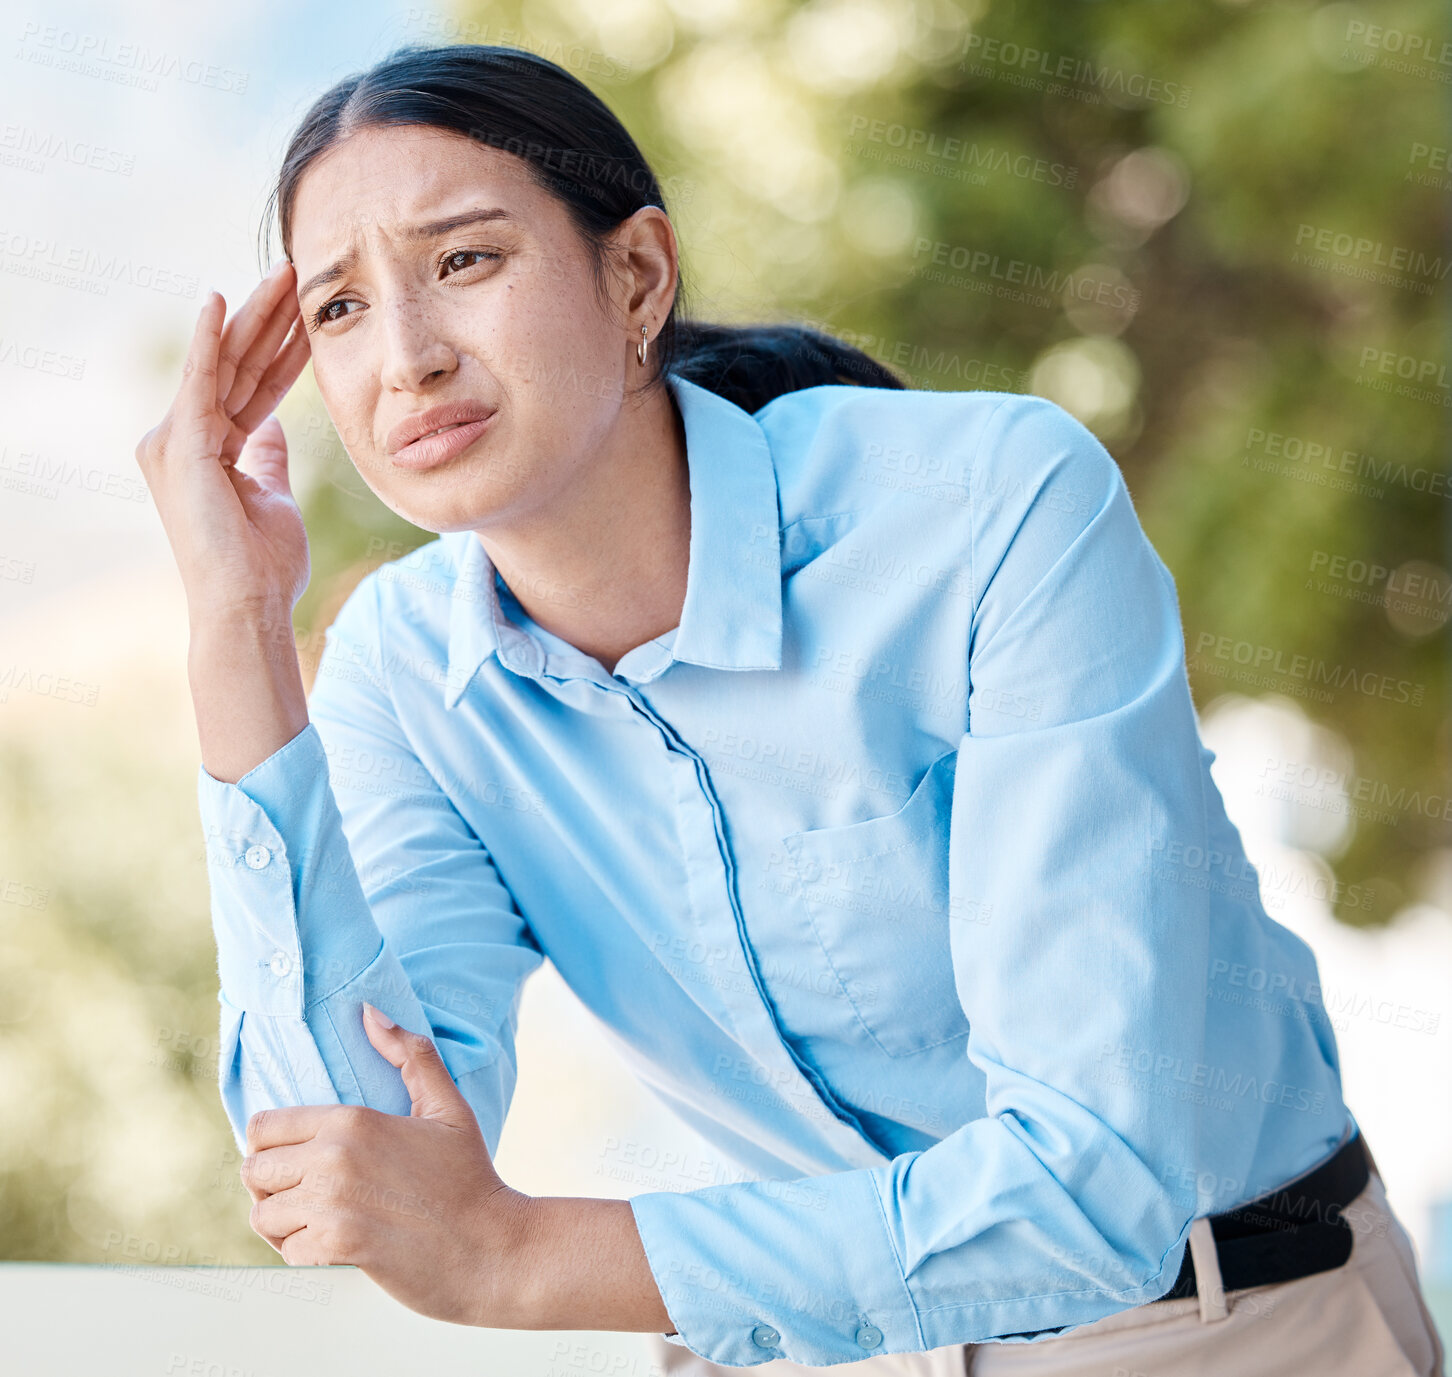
(451, 263)
(457, 260)
(324, 314)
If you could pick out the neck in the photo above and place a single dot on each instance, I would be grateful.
(606, 571)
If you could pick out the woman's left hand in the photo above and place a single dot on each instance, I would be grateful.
(414, 1202)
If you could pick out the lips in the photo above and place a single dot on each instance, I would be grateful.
(439, 447)
(413, 429)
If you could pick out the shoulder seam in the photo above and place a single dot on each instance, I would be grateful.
(973, 522)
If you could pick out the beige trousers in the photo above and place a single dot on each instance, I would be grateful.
(1364, 1319)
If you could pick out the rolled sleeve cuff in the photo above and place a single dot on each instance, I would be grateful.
(755, 1271)
(281, 876)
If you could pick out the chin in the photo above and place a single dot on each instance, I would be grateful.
(442, 516)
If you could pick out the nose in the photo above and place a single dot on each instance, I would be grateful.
(416, 354)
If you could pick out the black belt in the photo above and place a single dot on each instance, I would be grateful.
(1293, 1231)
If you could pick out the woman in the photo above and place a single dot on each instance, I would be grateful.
(834, 742)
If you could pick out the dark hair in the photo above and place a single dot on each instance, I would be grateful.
(576, 149)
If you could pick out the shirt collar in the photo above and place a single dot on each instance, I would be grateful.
(732, 615)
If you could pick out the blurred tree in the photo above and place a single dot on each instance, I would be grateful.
(123, 1157)
(1215, 232)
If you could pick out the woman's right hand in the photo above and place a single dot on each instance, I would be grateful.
(216, 464)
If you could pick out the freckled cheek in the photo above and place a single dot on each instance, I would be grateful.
(550, 310)
(497, 326)
(349, 391)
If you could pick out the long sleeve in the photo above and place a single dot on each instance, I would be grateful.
(341, 872)
(1066, 1201)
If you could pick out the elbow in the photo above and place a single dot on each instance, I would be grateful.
(1132, 1269)
(1147, 1258)
(1158, 1274)
(1140, 1210)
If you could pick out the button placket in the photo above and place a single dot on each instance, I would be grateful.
(801, 1087)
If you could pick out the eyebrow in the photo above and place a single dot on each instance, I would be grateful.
(430, 229)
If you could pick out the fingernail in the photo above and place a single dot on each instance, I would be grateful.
(379, 1017)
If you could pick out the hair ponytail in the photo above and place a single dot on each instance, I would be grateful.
(751, 364)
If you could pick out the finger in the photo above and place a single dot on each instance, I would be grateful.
(289, 1124)
(272, 1170)
(273, 1241)
(259, 354)
(264, 456)
(279, 377)
(426, 1078)
(233, 443)
(306, 1249)
(279, 1215)
(244, 328)
(197, 397)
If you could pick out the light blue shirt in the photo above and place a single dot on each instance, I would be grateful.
(896, 869)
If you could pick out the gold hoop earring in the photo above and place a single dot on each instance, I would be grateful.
(643, 347)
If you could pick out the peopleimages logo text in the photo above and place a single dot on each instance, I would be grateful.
(1267, 659)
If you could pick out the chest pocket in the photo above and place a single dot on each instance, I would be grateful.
(876, 893)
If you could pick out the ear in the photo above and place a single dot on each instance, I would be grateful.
(649, 256)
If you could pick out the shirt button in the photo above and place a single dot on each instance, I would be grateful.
(281, 964)
(869, 1336)
(257, 856)
(764, 1336)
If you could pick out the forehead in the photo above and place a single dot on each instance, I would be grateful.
(383, 180)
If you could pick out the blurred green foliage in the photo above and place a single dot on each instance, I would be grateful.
(1216, 232)
(113, 1146)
